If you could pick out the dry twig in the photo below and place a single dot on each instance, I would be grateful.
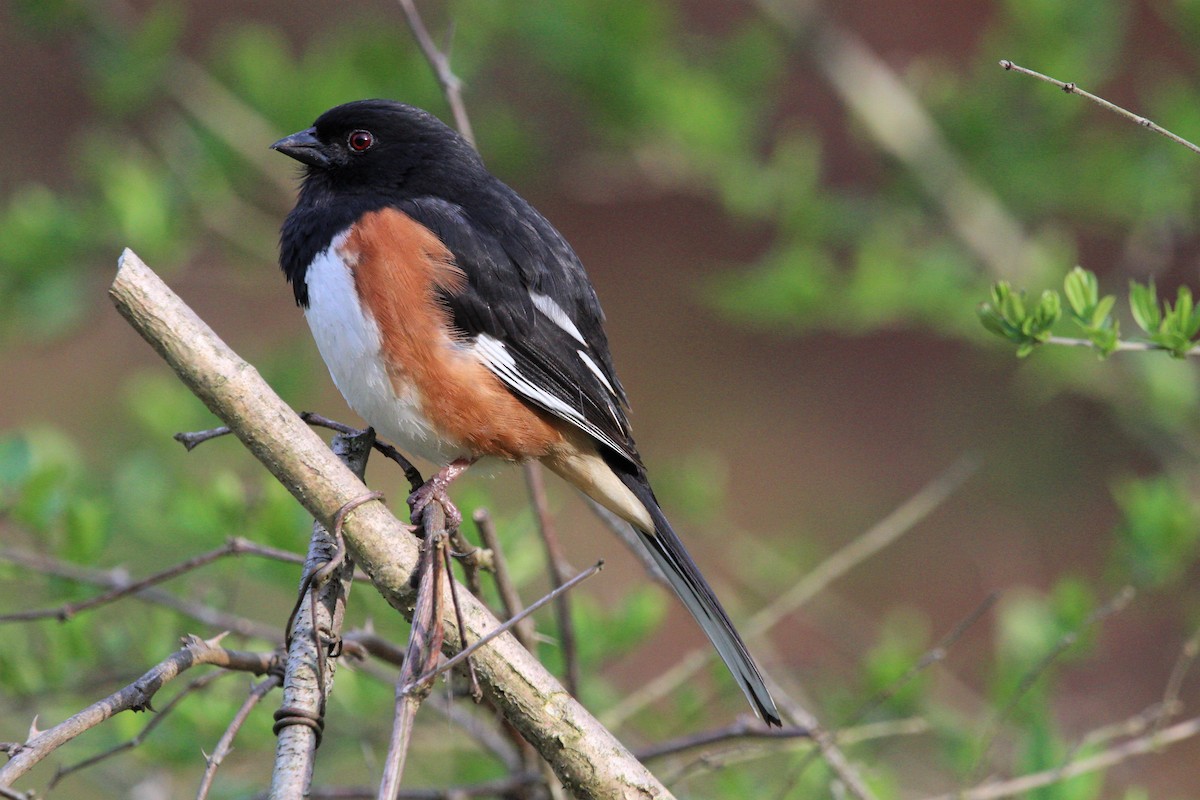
(1071, 88)
(134, 697)
(225, 743)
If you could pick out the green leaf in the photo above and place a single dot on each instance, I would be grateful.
(1102, 309)
(1081, 289)
(1143, 302)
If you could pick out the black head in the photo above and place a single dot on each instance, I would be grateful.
(382, 147)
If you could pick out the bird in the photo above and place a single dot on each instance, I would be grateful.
(460, 324)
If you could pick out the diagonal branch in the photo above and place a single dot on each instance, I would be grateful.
(134, 697)
(585, 756)
(308, 676)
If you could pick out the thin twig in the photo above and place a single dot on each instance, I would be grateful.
(424, 647)
(1121, 346)
(476, 692)
(1150, 743)
(440, 61)
(509, 624)
(1187, 657)
(884, 533)
(160, 715)
(743, 728)
(192, 439)
(472, 558)
(385, 448)
(932, 656)
(118, 578)
(1071, 88)
(509, 597)
(1118, 603)
(225, 743)
(556, 564)
(134, 697)
(236, 546)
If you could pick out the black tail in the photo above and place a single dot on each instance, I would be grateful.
(685, 578)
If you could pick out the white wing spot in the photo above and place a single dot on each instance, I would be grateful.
(587, 360)
(555, 313)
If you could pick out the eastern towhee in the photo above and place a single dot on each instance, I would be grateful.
(460, 324)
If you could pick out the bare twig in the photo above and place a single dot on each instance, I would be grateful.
(903, 519)
(743, 728)
(1121, 346)
(1064, 643)
(1149, 743)
(234, 547)
(225, 743)
(827, 746)
(1071, 88)
(476, 692)
(118, 578)
(472, 559)
(424, 647)
(1187, 657)
(193, 439)
(932, 656)
(440, 61)
(385, 448)
(316, 621)
(134, 697)
(509, 597)
(509, 624)
(159, 717)
(557, 566)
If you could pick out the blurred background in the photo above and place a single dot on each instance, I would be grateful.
(791, 211)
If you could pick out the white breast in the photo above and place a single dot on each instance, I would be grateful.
(350, 342)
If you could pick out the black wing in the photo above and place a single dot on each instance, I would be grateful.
(531, 313)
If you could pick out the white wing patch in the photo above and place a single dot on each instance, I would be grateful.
(495, 356)
(587, 361)
(554, 312)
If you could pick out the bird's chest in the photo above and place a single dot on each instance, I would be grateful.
(351, 342)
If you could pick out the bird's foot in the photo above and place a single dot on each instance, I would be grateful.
(434, 491)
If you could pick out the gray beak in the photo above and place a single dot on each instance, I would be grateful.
(305, 147)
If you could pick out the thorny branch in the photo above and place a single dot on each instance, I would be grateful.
(134, 697)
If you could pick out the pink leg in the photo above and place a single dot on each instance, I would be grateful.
(434, 490)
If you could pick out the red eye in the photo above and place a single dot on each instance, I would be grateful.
(360, 141)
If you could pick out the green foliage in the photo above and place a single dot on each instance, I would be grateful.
(886, 667)
(1171, 327)
(1159, 533)
(1090, 311)
(1007, 315)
